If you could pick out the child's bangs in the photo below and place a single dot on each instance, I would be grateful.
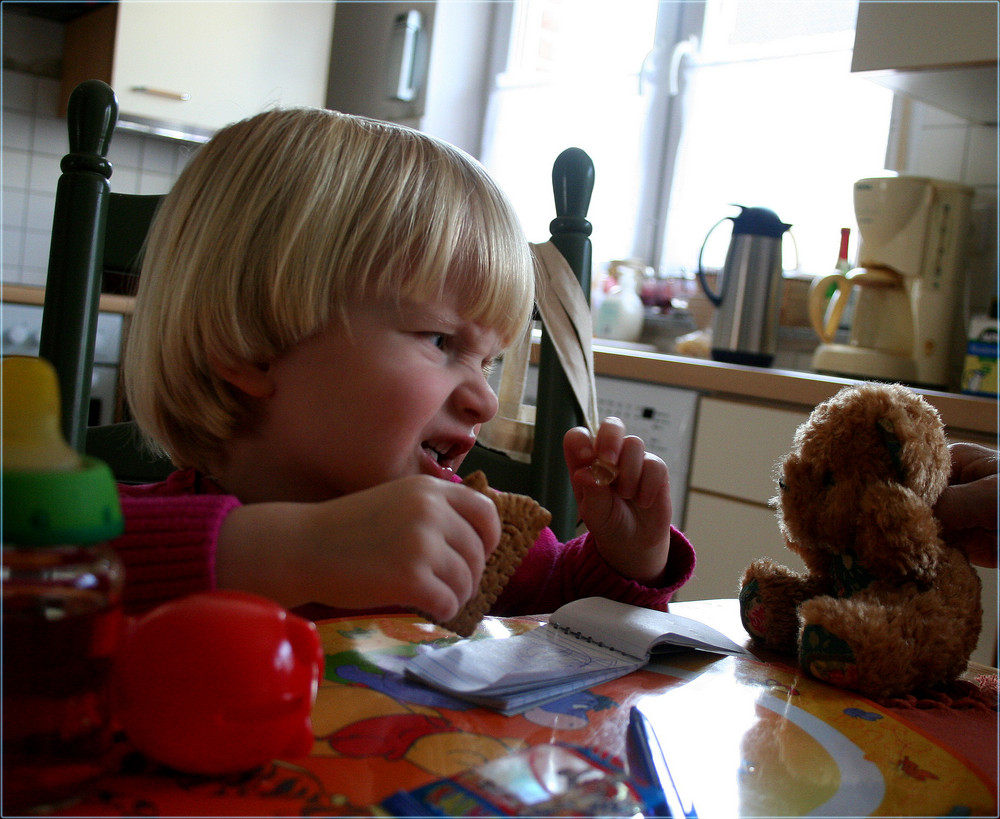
(484, 267)
(448, 231)
(493, 270)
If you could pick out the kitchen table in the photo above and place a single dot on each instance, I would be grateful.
(743, 737)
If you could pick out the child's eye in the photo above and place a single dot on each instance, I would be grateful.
(439, 340)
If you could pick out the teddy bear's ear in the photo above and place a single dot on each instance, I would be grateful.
(912, 435)
(897, 535)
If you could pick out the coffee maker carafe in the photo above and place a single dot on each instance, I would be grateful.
(906, 288)
(748, 304)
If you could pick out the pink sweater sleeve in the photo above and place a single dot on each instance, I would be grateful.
(555, 573)
(168, 546)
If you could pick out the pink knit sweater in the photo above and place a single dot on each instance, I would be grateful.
(171, 529)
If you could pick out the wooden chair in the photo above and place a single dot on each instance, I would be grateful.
(545, 477)
(97, 234)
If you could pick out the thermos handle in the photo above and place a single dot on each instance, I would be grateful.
(715, 298)
(824, 312)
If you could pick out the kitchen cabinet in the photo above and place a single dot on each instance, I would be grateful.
(190, 68)
(737, 446)
(942, 53)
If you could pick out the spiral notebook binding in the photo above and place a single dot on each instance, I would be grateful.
(579, 635)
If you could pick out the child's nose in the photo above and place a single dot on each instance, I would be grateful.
(475, 397)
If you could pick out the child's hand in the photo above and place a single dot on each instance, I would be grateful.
(417, 542)
(630, 516)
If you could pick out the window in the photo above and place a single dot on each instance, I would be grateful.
(572, 78)
(687, 109)
(773, 117)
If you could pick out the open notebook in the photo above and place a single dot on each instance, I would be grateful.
(584, 643)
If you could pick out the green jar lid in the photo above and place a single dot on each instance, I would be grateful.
(51, 494)
(70, 506)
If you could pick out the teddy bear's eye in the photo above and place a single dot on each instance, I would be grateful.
(782, 485)
(828, 479)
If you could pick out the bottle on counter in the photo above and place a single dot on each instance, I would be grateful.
(62, 595)
(843, 266)
(620, 315)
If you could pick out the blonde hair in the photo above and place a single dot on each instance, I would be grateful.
(276, 227)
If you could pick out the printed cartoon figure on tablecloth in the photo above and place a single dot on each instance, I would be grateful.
(885, 607)
(392, 719)
(569, 713)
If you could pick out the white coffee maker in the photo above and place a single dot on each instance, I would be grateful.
(909, 280)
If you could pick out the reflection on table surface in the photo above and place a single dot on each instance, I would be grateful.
(742, 737)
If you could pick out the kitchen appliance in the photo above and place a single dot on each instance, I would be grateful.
(748, 304)
(907, 288)
(22, 329)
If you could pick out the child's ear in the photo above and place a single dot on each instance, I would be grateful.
(249, 378)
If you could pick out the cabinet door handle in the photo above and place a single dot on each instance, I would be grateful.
(180, 96)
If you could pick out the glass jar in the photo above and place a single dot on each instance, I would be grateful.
(62, 619)
(62, 597)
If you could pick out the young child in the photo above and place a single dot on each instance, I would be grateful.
(321, 299)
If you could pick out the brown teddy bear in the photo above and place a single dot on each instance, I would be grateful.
(884, 607)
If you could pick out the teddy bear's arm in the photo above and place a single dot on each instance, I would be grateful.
(770, 595)
(897, 535)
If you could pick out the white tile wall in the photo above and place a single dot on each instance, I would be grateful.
(34, 141)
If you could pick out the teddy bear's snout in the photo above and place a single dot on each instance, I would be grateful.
(813, 507)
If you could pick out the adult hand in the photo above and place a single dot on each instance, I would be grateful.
(967, 508)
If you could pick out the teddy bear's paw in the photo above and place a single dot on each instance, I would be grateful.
(827, 657)
(753, 612)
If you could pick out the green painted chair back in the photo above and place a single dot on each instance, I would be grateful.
(97, 236)
(545, 477)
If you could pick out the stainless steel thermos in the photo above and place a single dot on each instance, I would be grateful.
(748, 301)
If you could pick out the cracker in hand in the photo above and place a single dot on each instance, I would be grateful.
(521, 519)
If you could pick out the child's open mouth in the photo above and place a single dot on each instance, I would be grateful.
(443, 455)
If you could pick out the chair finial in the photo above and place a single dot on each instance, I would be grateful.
(90, 117)
(572, 184)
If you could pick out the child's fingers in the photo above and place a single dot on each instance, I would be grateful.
(599, 453)
(480, 513)
(608, 440)
(451, 571)
(578, 447)
(654, 483)
(631, 460)
(441, 590)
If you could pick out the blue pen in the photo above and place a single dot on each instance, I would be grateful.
(650, 758)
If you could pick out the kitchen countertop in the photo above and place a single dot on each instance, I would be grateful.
(970, 415)
(27, 294)
(796, 390)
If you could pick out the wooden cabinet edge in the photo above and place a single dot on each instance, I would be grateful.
(89, 50)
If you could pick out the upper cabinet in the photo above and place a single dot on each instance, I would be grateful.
(190, 68)
(942, 53)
